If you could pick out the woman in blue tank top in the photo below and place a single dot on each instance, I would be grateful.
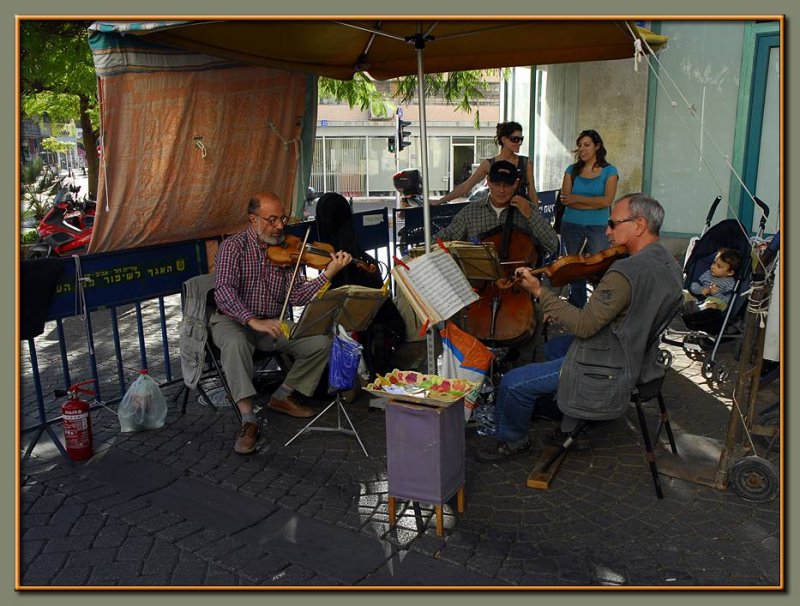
(588, 189)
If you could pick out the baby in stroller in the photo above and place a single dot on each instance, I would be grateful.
(715, 287)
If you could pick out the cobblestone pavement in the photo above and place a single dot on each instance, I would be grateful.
(177, 507)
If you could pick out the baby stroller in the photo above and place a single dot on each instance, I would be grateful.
(708, 328)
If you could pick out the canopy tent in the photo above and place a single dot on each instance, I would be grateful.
(384, 48)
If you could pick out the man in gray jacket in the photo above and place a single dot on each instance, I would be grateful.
(594, 371)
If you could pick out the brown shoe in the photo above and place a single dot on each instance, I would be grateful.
(246, 440)
(291, 407)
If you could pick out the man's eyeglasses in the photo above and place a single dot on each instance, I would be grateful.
(516, 139)
(613, 224)
(274, 220)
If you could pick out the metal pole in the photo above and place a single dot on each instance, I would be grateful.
(423, 147)
(396, 154)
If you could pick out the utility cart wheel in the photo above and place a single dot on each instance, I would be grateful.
(755, 479)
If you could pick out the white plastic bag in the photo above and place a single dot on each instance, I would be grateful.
(143, 406)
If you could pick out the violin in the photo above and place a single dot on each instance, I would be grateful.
(314, 254)
(574, 267)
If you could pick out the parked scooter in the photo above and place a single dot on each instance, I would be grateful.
(67, 227)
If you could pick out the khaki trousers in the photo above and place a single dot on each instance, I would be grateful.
(238, 343)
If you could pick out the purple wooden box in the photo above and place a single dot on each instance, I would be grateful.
(424, 451)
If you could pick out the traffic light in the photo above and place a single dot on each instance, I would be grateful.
(402, 142)
(391, 145)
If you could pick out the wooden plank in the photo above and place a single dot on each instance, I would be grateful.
(540, 478)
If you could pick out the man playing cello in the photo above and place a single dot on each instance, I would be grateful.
(594, 371)
(489, 214)
(250, 291)
(485, 219)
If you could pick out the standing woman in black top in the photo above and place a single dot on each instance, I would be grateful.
(509, 137)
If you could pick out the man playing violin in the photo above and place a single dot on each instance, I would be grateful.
(594, 370)
(250, 291)
(484, 216)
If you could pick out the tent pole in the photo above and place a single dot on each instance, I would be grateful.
(423, 150)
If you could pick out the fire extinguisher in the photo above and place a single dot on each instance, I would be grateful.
(77, 421)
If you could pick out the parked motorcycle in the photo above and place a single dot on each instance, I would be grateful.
(66, 229)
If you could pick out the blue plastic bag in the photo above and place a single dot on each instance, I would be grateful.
(343, 365)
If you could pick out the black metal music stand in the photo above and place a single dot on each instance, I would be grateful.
(352, 308)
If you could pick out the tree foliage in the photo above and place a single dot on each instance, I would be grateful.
(359, 91)
(57, 77)
(461, 89)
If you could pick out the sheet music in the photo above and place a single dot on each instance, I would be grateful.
(440, 282)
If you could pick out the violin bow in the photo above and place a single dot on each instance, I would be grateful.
(284, 326)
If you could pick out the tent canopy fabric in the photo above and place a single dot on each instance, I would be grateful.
(199, 115)
(385, 47)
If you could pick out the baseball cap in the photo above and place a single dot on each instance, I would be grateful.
(502, 171)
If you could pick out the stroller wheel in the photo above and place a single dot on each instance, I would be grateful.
(755, 479)
(721, 374)
(708, 370)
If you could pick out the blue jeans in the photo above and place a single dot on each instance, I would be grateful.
(572, 236)
(521, 388)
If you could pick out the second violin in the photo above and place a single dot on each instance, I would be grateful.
(569, 268)
(314, 254)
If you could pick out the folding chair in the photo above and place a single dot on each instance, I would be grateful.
(546, 468)
(271, 366)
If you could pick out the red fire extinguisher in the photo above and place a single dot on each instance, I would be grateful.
(77, 422)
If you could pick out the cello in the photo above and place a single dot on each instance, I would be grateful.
(504, 316)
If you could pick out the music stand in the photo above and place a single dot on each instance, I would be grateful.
(477, 261)
(353, 308)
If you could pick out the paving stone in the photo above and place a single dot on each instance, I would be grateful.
(29, 550)
(219, 576)
(113, 572)
(72, 576)
(47, 504)
(111, 536)
(140, 516)
(161, 559)
(211, 506)
(291, 536)
(135, 548)
(47, 564)
(415, 569)
(88, 524)
(199, 539)
(91, 557)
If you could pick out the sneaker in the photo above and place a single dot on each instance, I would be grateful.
(502, 451)
(246, 440)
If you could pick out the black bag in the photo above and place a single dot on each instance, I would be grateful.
(558, 213)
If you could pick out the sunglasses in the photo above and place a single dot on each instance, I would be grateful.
(613, 224)
(516, 139)
(273, 220)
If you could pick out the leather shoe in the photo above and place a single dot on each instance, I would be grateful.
(246, 440)
(290, 406)
(502, 451)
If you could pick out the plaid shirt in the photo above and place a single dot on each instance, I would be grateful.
(249, 286)
(479, 217)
